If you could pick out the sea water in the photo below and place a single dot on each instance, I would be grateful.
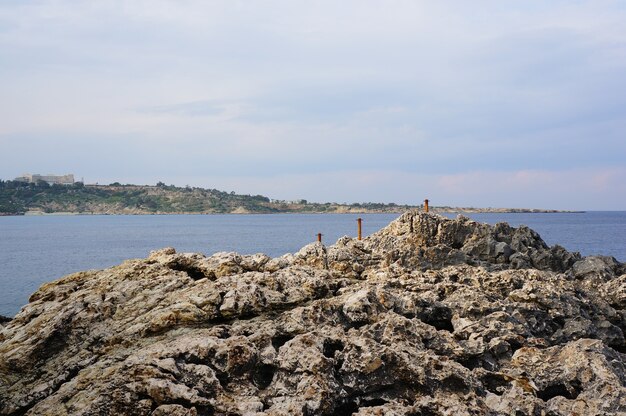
(37, 249)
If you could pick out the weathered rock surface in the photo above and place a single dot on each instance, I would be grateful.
(428, 316)
(4, 320)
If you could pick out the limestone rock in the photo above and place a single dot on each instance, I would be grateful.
(417, 240)
(602, 267)
(427, 316)
(4, 320)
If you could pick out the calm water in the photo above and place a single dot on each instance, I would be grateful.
(34, 250)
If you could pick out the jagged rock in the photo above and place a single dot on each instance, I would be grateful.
(4, 320)
(427, 316)
(602, 267)
(439, 241)
(615, 292)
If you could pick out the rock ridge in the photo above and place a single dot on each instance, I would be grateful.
(427, 316)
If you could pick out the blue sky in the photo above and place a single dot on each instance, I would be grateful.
(484, 103)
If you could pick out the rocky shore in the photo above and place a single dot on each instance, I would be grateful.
(429, 316)
(300, 209)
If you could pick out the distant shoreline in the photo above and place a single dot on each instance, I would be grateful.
(19, 198)
(434, 210)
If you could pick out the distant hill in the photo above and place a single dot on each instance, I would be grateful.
(17, 198)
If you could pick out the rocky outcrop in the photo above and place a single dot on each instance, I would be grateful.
(428, 316)
(4, 320)
(440, 242)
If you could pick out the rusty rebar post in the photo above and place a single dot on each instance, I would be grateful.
(359, 222)
(319, 237)
(426, 205)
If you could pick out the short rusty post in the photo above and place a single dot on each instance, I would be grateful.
(319, 237)
(426, 205)
(359, 221)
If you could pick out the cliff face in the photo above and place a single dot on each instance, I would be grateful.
(428, 316)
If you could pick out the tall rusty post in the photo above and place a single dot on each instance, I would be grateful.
(359, 221)
(426, 205)
(319, 237)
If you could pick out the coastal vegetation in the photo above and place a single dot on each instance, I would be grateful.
(17, 198)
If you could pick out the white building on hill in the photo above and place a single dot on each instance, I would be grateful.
(51, 179)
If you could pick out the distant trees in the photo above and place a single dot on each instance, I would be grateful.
(12, 184)
(19, 197)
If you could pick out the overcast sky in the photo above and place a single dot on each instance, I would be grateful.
(482, 103)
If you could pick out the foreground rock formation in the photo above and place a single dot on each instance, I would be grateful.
(428, 316)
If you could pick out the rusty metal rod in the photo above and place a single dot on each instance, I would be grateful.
(359, 221)
(319, 237)
(426, 205)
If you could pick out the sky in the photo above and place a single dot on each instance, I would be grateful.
(483, 103)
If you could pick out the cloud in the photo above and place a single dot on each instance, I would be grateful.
(580, 189)
(229, 89)
(589, 189)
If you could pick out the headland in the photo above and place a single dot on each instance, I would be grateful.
(41, 198)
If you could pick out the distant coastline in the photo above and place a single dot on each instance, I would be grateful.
(347, 210)
(434, 210)
(18, 198)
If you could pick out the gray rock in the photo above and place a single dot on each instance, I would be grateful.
(602, 267)
(427, 316)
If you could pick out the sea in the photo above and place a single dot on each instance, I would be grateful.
(38, 249)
